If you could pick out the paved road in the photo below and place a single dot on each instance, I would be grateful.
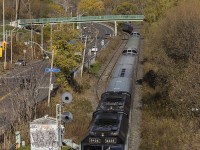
(19, 84)
(97, 33)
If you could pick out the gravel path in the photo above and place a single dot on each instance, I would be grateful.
(134, 128)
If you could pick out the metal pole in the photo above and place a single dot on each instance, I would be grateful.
(4, 35)
(77, 26)
(16, 10)
(42, 37)
(11, 57)
(115, 28)
(50, 79)
(5, 64)
(3, 22)
(83, 57)
(31, 43)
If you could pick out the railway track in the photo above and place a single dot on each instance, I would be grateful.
(108, 68)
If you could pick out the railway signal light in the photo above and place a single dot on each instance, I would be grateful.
(0, 51)
(4, 45)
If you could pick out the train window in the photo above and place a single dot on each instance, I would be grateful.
(124, 51)
(91, 147)
(134, 51)
(88, 147)
(113, 99)
(123, 72)
(112, 148)
(109, 121)
(136, 34)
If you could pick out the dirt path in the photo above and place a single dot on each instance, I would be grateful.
(134, 129)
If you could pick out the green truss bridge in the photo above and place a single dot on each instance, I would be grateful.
(78, 19)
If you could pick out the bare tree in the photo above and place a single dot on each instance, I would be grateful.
(23, 94)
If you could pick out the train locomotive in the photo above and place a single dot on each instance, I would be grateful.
(109, 126)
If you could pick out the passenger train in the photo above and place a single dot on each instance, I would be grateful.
(110, 122)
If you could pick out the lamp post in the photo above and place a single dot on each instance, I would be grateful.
(42, 49)
(78, 16)
(52, 59)
(4, 38)
(83, 57)
(51, 73)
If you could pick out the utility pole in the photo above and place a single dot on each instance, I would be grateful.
(31, 43)
(83, 57)
(16, 10)
(11, 57)
(51, 73)
(4, 34)
(42, 37)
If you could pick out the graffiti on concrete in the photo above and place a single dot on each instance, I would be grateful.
(44, 136)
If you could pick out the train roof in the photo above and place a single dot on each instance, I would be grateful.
(115, 102)
(126, 60)
(120, 84)
(133, 42)
(107, 125)
(123, 71)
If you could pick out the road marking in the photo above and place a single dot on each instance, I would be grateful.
(4, 96)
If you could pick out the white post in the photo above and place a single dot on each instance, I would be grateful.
(16, 10)
(42, 37)
(83, 57)
(50, 79)
(115, 28)
(31, 43)
(77, 25)
(11, 57)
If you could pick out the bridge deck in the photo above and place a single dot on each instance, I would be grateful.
(108, 18)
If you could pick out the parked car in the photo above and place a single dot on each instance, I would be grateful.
(102, 42)
(20, 62)
(94, 49)
(107, 35)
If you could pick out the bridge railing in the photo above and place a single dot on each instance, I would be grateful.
(82, 19)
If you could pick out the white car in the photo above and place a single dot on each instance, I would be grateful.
(20, 62)
(94, 49)
(102, 43)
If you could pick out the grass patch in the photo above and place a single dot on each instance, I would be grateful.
(95, 68)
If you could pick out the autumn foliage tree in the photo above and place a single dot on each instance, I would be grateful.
(174, 48)
(91, 7)
(125, 8)
(172, 54)
(66, 47)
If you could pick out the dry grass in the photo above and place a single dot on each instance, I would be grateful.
(167, 120)
(168, 133)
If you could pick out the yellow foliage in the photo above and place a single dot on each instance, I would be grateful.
(91, 7)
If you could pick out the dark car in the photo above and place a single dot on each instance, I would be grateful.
(107, 35)
(20, 62)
